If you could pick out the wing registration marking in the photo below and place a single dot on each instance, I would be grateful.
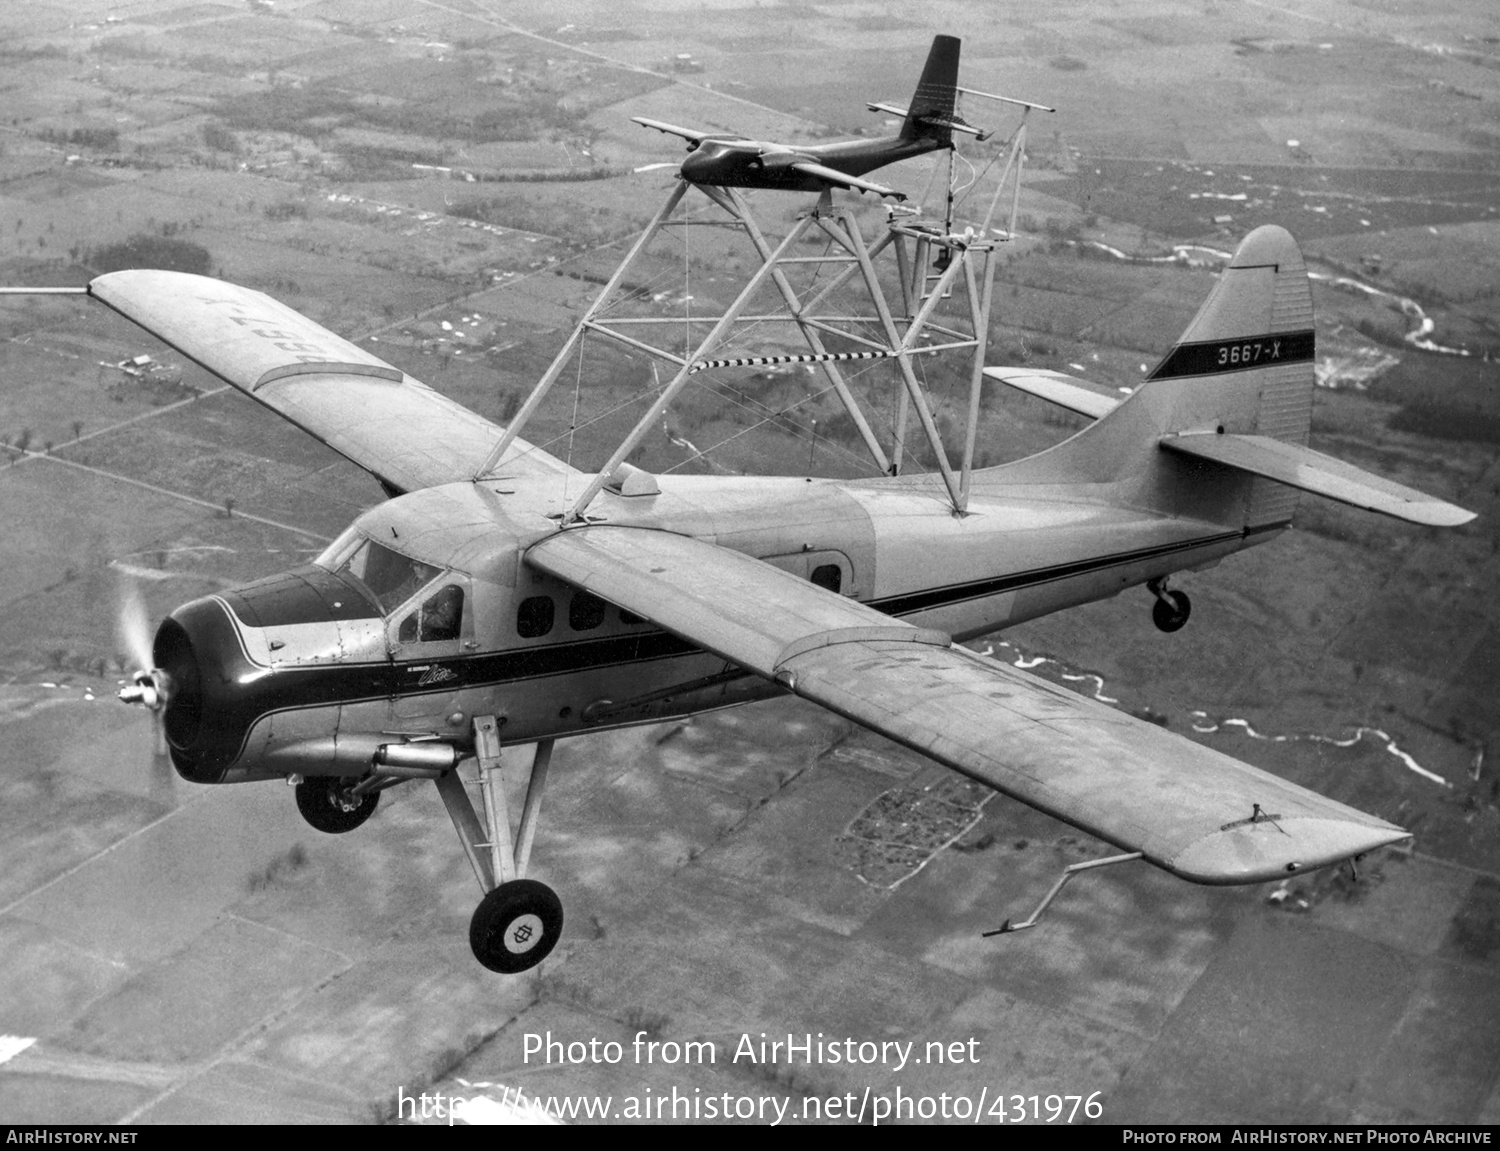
(281, 333)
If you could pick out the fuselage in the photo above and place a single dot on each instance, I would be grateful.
(750, 164)
(425, 614)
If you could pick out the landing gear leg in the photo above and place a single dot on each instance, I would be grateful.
(1172, 608)
(519, 920)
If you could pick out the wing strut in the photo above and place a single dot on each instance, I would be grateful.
(549, 377)
(1068, 873)
(709, 342)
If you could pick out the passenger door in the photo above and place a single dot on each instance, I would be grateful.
(426, 636)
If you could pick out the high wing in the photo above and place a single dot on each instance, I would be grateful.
(692, 137)
(843, 179)
(1201, 815)
(400, 431)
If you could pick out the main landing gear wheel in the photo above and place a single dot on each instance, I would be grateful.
(329, 804)
(516, 926)
(1170, 616)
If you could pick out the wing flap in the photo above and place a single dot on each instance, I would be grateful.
(1081, 396)
(401, 431)
(729, 603)
(1193, 811)
(1309, 471)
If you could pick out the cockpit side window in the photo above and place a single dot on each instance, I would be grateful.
(436, 620)
(391, 577)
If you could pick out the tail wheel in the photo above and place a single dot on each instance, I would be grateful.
(329, 804)
(1171, 613)
(516, 926)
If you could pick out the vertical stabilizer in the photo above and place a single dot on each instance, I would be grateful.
(1244, 367)
(1245, 363)
(1249, 350)
(935, 99)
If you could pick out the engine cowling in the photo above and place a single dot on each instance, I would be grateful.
(226, 663)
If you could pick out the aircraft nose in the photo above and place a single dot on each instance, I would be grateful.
(177, 654)
(697, 167)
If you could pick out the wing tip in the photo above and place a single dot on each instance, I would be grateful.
(1274, 848)
(1425, 511)
(1445, 515)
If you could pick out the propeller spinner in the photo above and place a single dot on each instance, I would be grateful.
(151, 689)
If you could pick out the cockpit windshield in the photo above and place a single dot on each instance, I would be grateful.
(391, 577)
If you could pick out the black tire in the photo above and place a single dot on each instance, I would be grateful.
(325, 802)
(516, 926)
(1172, 618)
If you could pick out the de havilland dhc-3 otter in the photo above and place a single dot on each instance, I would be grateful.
(470, 610)
(501, 597)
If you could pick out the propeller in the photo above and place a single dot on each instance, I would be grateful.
(133, 625)
(654, 167)
(149, 687)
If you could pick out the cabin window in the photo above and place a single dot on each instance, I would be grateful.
(829, 576)
(534, 616)
(586, 612)
(630, 619)
(436, 620)
(391, 577)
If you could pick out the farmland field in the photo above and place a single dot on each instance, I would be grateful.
(449, 184)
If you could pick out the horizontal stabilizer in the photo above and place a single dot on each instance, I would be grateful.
(1081, 396)
(1310, 471)
(954, 122)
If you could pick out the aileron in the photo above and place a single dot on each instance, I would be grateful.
(1128, 782)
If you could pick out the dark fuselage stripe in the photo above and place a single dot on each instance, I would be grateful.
(982, 589)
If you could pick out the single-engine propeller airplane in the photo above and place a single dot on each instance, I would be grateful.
(470, 610)
(928, 124)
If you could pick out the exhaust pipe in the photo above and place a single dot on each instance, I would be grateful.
(426, 758)
(358, 755)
